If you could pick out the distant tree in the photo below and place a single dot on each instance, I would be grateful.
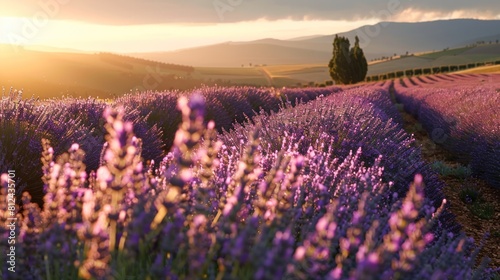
(359, 61)
(339, 64)
(347, 66)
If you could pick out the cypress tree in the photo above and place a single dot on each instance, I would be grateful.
(347, 66)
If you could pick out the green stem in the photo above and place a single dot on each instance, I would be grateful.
(47, 267)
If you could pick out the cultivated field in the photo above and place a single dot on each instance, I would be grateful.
(56, 74)
(250, 183)
(459, 56)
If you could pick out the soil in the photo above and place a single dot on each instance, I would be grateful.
(473, 226)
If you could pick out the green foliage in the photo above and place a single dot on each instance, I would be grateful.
(347, 66)
(426, 71)
(444, 169)
(436, 70)
(484, 211)
(471, 65)
(418, 127)
(391, 75)
(418, 71)
(400, 107)
(462, 67)
(400, 74)
(453, 68)
(477, 205)
(445, 69)
(470, 195)
(409, 72)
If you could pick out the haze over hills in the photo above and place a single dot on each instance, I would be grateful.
(382, 39)
(53, 72)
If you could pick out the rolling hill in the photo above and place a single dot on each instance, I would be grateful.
(236, 54)
(458, 56)
(54, 74)
(387, 39)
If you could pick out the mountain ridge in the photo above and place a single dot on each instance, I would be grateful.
(402, 37)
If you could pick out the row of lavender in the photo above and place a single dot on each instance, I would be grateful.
(23, 123)
(319, 191)
(464, 118)
(224, 105)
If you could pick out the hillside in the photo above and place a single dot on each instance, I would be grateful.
(389, 38)
(459, 56)
(54, 74)
(236, 54)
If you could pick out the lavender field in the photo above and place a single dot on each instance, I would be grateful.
(467, 117)
(244, 182)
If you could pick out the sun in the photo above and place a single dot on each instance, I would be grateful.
(9, 26)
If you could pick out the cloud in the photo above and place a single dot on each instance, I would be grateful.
(415, 15)
(129, 12)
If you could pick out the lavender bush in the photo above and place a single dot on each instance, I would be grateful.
(69, 120)
(25, 122)
(224, 105)
(243, 205)
(351, 119)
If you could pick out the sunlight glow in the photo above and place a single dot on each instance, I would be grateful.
(9, 25)
(158, 37)
(86, 36)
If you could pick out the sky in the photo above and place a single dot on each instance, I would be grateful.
(162, 25)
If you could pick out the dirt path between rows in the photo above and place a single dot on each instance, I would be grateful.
(473, 226)
(267, 75)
